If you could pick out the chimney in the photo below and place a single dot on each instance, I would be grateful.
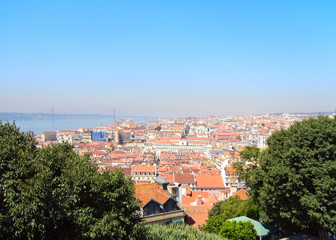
(199, 200)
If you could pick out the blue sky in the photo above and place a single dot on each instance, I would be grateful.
(168, 58)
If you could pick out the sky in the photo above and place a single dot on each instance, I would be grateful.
(168, 58)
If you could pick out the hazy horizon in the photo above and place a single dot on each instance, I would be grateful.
(176, 59)
(93, 115)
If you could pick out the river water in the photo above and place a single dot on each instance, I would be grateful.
(38, 126)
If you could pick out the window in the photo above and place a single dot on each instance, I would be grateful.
(156, 209)
(145, 211)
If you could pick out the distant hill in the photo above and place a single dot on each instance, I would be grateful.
(47, 116)
(306, 113)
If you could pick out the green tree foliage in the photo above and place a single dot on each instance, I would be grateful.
(214, 224)
(248, 162)
(52, 193)
(231, 208)
(216, 209)
(179, 232)
(295, 184)
(158, 128)
(238, 138)
(238, 230)
(248, 168)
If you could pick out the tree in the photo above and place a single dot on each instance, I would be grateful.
(248, 161)
(238, 230)
(216, 209)
(158, 128)
(214, 224)
(295, 184)
(53, 193)
(231, 208)
(247, 167)
(179, 232)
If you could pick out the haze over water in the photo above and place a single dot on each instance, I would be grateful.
(38, 126)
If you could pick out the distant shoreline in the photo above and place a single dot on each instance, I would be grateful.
(38, 123)
(6, 116)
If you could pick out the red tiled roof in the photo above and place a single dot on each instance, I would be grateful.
(170, 177)
(209, 181)
(147, 191)
(195, 218)
(126, 171)
(144, 168)
(184, 178)
(242, 194)
(99, 152)
(186, 201)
